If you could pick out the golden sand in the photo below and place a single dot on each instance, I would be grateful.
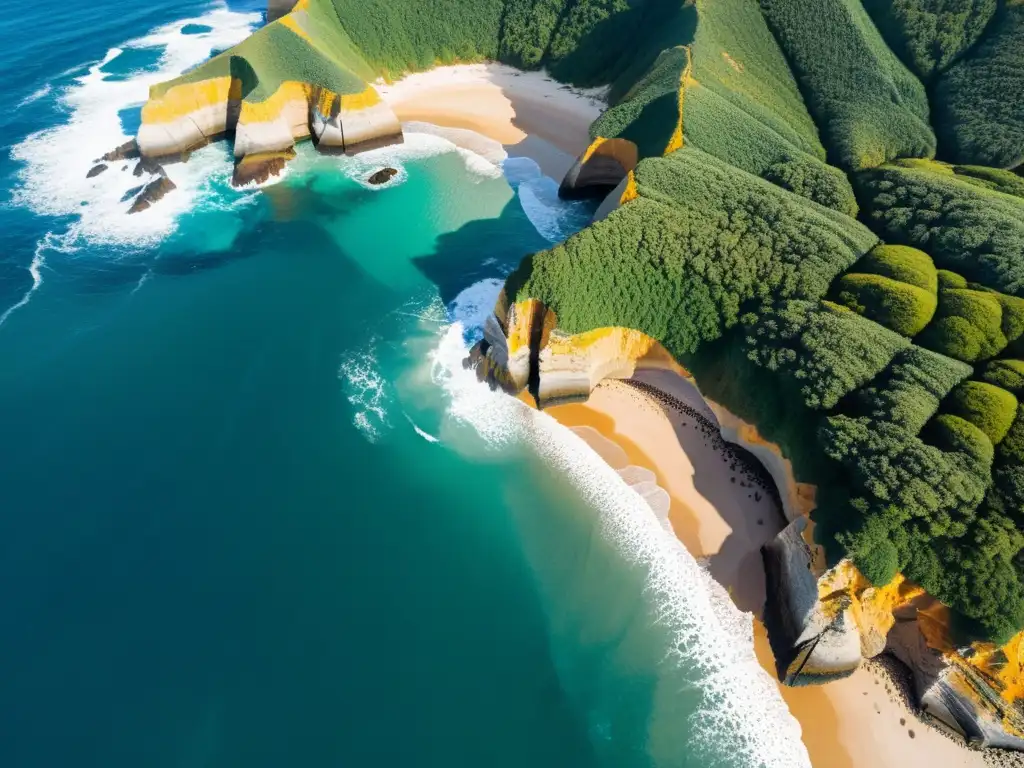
(861, 720)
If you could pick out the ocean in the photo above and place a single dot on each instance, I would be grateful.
(253, 510)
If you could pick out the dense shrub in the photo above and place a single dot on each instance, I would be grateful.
(397, 36)
(899, 262)
(827, 350)
(979, 113)
(527, 27)
(988, 407)
(972, 323)
(974, 231)
(1008, 374)
(903, 481)
(996, 179)
(869, 107)
(648, 116)
(953, 433)
(908, 392)
(679, 262)
(876, 556)
(929, 35)
(898, 306)
(895, 286)
(813, 179)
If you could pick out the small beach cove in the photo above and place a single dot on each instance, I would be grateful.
(660, 422)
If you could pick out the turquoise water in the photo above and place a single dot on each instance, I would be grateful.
(253, 511)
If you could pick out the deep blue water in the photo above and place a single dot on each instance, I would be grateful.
(252, 510)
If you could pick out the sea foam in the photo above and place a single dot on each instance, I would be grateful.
(56, 159)
(741, 718)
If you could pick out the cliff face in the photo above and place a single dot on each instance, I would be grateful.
(189, 116)
(294, 79)
(821, 622)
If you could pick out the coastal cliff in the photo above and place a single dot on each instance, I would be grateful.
(822, 622)
(289, 82)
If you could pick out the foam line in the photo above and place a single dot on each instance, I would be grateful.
(741, 718)
(35, 96)
(55, 160)
(38, 262)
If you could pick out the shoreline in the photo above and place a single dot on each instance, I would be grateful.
(528, 113)
(663, 426)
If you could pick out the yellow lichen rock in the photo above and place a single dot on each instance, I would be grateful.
(188, 116)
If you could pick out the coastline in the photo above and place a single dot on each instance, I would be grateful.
(663, 425)
(529, 113)
(722, 515)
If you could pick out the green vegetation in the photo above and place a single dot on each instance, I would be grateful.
(908, 392)
(929, 35)
(966, 228)
(869, 108)
(888, 374)
(979, 114)
(986, 406)
(893, 285)
(397, 36)
(1008, 374)
(995, 179)
(972, 323)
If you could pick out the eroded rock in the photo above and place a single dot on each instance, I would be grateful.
(258, 168)
(127, 151)
(382, 176)
(151, 193)
(96, 170)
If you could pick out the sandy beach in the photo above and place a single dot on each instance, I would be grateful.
(721, 514)
(658, 430)
(529, 113)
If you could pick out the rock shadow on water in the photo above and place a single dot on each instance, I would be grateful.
(480, 249)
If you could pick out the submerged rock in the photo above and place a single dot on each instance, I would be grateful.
(382, 176)
(151, 193)
(96, 170)
(127, 151)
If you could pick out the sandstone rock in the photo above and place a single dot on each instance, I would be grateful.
(382, 176)
(260, 167)
(151, 193)
(127, 151)
(811, 644)
(96, 170)
(599, 170)
(951, 692)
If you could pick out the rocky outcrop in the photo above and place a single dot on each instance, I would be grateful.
(96, 170)
(151, 193)
(812, 642)
(188, 116)
(955, 688)
(127, 151)
(278, 8)
(600, 169)
(383, 176)
(260, 166)
(146, 165)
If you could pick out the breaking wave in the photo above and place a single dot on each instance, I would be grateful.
(366, 390)
(706, 643)
(56, 160)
